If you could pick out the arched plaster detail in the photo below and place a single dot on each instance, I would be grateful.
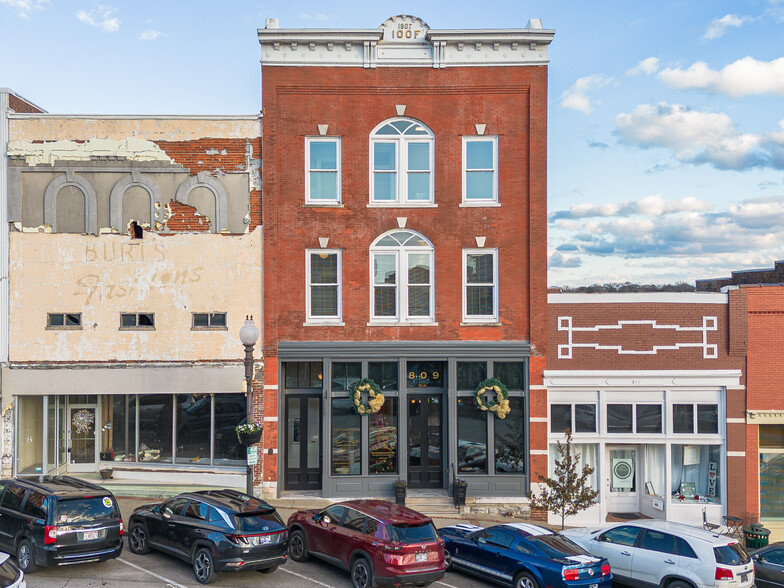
(90, 201)
(205, 180)
(116, 198)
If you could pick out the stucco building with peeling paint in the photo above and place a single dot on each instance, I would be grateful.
(135, 256)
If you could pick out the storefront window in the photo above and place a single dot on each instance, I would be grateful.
(194, 415)
(588, 456)
(470, 374)
(682, 418)
(29, 434)
(471, 437)
(384, 374)
(230, 411)
(382, 435)
(560, 417)
(511, 374)
(426, 374)
(51, 431)
(155, 427)
(771, 459)
(303, 374)
(708, 418)
(696, 473)
(118, 432)
(344, 375)
(346, 435)
(653, 467)
(510, 439)
(619, 418)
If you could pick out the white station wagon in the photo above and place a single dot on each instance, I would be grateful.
(668, 554)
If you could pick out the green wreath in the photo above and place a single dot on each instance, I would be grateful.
(374, 393)
(500, 405)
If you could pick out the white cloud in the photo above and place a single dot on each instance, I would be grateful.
(700, 137)
(719, 26)
(744, 77)
(646, 66)
(321, 17)
(149, 35)
(100, 18)
(24, 8)
(576, 97)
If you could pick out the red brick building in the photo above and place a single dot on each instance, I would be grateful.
(652, 387)
(404, 190)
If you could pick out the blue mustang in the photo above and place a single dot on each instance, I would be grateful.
(524, 556)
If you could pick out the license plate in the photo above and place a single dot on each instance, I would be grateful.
(421, 557)
(593, 586)
(264, 539)
(90, 536)
(744, 577)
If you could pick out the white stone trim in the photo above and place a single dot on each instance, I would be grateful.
(640, 298)
(597, 379)
(270, 386)
(736, 421)
(736, 454)
(539, 452)
(272, 419)
(538, 419)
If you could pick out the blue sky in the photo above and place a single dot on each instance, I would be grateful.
(666, 119)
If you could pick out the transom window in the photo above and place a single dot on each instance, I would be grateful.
(402, 275)
(704, 419)
(401, 163)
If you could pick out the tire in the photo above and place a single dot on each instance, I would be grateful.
(268, 570)
(679, 584)
(138, 542)
(525, 580)
(24, 557)
(448, 560)
(361, 574)
(204, 566)
(298, 547)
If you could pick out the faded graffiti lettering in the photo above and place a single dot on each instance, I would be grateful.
(90, 288)
(133, 252)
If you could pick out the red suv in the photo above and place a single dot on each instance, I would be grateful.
(379, 542)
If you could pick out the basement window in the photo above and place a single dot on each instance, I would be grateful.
(208, 321)
(137, 320)
(64, 320)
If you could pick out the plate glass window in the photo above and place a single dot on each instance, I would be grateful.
(480, 172)
(481, 285)
(322, 155)
(323, 284)
(401, 163)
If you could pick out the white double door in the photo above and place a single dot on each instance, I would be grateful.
(622, 478)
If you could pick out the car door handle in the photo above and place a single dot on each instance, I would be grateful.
(669, 561)
(625, 553)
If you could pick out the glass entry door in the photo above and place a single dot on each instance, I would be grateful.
(425, 446)
(622, 479)
(82, 446)
(303, 442)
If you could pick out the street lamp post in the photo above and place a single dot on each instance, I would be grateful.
(249, 333)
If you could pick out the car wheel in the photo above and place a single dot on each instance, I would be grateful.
(137, 539)
(678, 584)
(448, 559)
(24, 557)
(204, 566)
(298, 549)
(361, 576)
(525, 580)
(268, 570)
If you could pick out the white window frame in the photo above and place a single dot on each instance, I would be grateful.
(474, 318)
(401, 254)
(480, 139)
(401, 143)
(308, 171)
(321, 319)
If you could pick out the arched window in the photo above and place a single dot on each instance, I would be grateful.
(401, 163)
(402, 274)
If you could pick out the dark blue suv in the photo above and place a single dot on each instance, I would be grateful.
(213, 530)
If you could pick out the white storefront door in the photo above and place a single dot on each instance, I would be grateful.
(622, 478)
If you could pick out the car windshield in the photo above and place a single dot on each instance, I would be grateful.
(731, 555)
(556, 546)
(258, 522)
(8, 573)
(83, 510)
(412, 533)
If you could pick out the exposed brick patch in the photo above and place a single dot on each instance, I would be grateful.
(184, 219)
(18, 104)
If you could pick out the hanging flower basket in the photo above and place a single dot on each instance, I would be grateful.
(499, 405)
(249, 434)
(374, 394)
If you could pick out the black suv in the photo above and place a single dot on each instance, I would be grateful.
(214, 530)
(58, 520)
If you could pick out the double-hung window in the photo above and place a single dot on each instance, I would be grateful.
(401, 163)
(480, 170)
(323, 288)
(322, 168)
(402, 278)
(480, 285)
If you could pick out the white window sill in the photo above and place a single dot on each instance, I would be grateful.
(323, 205)
(380, 323)
(480, 204)
(324, 323)
(402, 205)
(480, 323)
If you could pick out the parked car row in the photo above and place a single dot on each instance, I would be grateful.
(58, 520)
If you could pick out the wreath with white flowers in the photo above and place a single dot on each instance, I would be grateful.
(500, 405)
(374, 394)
